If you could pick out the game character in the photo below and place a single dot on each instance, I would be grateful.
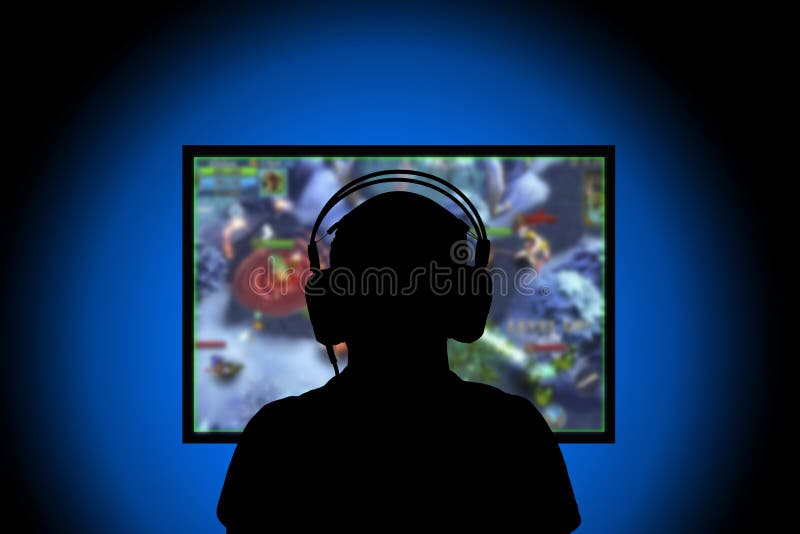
(536, 250)
(222, 368)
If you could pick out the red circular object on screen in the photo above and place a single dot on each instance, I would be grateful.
(269, 280)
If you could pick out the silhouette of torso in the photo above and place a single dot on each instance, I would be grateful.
(399, 453)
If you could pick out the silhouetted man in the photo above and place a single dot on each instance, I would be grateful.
(397, 439)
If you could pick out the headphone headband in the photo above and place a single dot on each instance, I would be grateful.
(358, 183)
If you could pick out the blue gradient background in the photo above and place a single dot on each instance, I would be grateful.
(106, 379)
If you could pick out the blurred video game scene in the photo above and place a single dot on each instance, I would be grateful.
(545, 343)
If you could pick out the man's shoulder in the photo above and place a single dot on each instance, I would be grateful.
(494, 396)
(494, 402)
(287, 409)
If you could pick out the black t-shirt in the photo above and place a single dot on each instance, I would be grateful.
(441, 452)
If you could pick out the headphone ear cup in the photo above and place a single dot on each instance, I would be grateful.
(468, 303)
(327, 323)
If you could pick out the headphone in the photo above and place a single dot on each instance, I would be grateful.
(467, 308)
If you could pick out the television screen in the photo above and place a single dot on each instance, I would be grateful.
(548, 212)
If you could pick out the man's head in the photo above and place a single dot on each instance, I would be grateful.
(391, 247)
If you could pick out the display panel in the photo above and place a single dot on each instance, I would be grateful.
(549, 215)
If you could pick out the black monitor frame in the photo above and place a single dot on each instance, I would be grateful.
(190, 152)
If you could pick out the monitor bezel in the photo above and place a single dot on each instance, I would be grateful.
(190, 152)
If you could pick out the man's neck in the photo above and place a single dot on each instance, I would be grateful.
(408, 360)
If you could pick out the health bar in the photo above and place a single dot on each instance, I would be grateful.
(227, 171)
(499, 231)
(211, 344)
